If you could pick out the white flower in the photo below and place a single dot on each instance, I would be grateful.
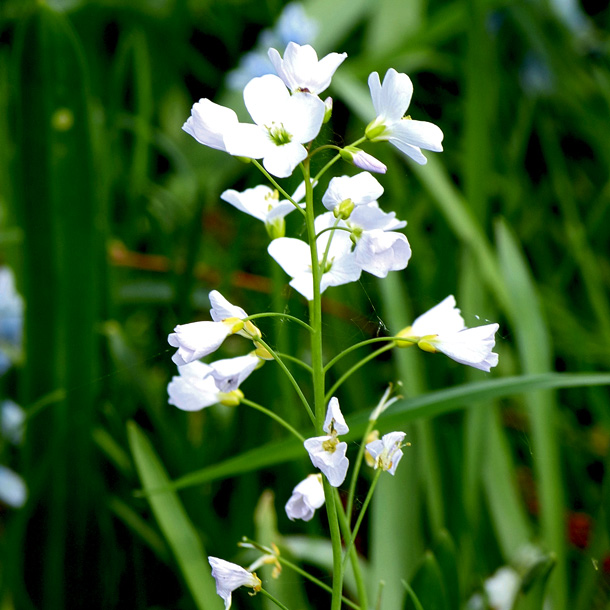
(379, 249)
(208, 122)
(359, 189)
(306, 497)
(264, 203)
(12, 421)
(284, 123)
(300, 69)
(13, 491)
(294, 256)
(195, 388)
(229, 576)
(11, 319)
(502, 588)
(391, 101)
(326, 452)
(228, 374)
(199, 339)
(386, 451)
(442, 329)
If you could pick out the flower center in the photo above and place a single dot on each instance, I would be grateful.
(278, 134)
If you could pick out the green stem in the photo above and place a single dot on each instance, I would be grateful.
(277, 602)
(274, 416)
(367, 500)
(315, 311)
(354, 368)
(334, 160)
(296, 361)
(356, 471)
(344, 524)
(275, 314)
(277, 186)
(351, 348)
(292, 379)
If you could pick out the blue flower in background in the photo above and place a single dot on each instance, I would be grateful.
(293, 25)
(11, 319)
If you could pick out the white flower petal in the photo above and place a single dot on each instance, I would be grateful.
(265, 98)
(306, 497)
(301, 70)
(378, 252)
(442, 318)
(208, 122)
(334, 418)
(229, 576)
(420, 134)
(292, 255)
(231, 372)
(471, 346)
(343, 270)
(333, 464)
(222, 309)
(361, 189)
(303, 116)
(13, 491)
(411, 151)
(247, 140)
(370, 216)
(193, 390)
(280, 161)
(386, 451)
(196, 340)
(257, 201)
(369, 163)
(391, 99)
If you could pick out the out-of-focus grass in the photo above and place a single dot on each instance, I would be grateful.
(512, 218)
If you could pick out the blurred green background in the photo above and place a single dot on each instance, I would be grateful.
(111, 220)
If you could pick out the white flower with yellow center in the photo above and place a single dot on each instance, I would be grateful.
(283, 123)
(442, 329)
(386, 451)
(391, 100)
(326, 452)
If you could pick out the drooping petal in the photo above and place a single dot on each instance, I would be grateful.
(413, 152)
(334, 418)
(471, 346)
(379, 252)
(193, 389)
(333, 464)
(231, 372)
(196, 340)
(209, 122)
(306, 497)
(222, 309)
(420, 134)
(229, 576)
(13, 490)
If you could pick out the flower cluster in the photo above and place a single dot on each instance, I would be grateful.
(351, 234)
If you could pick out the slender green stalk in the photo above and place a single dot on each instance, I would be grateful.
(345, 530)
(275, 314)
(356, 471)
(277, 186)
(356, 366)
(367, 501)
(296, 360)
(290, 376)
(277, 602)
(275, 416)
(299, 570)
(351, 348)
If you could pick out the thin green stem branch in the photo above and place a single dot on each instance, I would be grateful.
(277, 602)
(367, 501)
(275, 314)
(354, 368)
(293, 381)
(273, 416)
(296, 361)
(277, 186)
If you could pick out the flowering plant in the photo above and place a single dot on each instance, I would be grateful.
(351, 235)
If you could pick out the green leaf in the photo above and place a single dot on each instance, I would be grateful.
(428, 586)
(174, 522)
(446, 555)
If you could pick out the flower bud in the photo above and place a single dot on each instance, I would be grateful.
(230, 399)
(328, 104)
(363, 160)
(344, 209)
